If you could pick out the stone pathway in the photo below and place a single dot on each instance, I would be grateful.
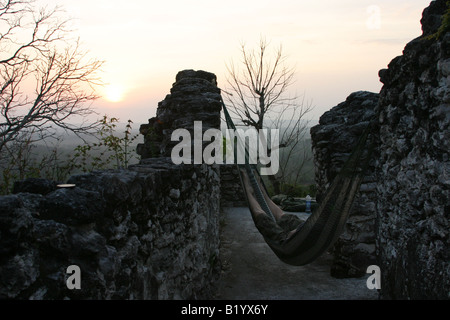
(252, 271)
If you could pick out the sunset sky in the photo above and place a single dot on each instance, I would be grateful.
(337, 47)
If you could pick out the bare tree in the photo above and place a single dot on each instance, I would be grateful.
(36, 51)
(258, 96)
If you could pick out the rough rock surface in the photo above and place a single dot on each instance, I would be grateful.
(413, 176)
(408, 182)
(194, 97)
(35, 185)
(231, 194)
(332, 142)
(149, 232)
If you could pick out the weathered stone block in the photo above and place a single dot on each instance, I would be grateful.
(332, 141)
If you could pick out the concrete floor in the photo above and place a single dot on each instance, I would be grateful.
(252, 271)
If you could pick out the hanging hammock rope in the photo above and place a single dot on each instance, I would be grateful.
(326, 223)
(250, 169)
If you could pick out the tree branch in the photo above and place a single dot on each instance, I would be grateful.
(65, 80)
(258, 96)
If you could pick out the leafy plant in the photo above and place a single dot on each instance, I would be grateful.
(110, 151)
(26, 159)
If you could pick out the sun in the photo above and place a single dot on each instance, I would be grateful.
(114, 93)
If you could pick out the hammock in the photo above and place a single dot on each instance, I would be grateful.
(325, 224)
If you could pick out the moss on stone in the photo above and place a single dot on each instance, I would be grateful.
(445, 25)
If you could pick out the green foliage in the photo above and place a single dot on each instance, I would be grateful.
(294, 190)
(224, 147)
(227, 147)
(110, 151)
(30, 160)
(298, 190)
(445, 25)
(150, 137)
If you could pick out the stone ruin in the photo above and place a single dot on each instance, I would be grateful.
(400, 220)
(332, 141)
(152, 232)
(149, 232)
(193, 97)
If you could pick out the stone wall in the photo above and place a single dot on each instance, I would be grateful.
(407, 187)
(150, 232)
(193, 97)
(404, 201)
(332, 142)
(231, 194)
(413, 175)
